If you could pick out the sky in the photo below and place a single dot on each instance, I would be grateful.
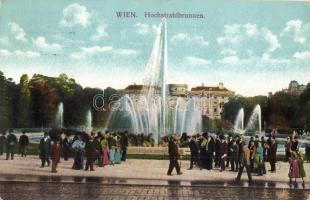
(252, 47)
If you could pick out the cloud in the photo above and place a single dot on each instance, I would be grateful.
(41, 43)
(297, 30)
(232, 34)
(125, 52)
(186, 39)
(18, 32)
(236, 33)
(100, 33)
(90, 51)
(195, 61)
(144, 29)
(75, 15)
(302, 55)
(4, 40)
(95, 50)
(266, 59)
(250, 29)
(271, 38)
(18, 53)
(228, 52)
(230, 60)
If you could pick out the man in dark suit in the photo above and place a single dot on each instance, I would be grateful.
(11, 141)
(124, 145)
(273, 155)
(45, 150)
(244, 162)
(91, 153)
(193, 146)
(174, 156)
(23, 143)
(65, 146)
(223, 152)
(230, 152)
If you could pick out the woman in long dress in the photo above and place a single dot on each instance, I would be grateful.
(294, 167)
(105, 151)
(79, 148)
(112, 150)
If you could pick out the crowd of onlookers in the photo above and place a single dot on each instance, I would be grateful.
(222, 152)
(101, 149)
(206, 151)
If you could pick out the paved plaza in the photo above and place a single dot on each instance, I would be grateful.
(139, 169)
(140, 179)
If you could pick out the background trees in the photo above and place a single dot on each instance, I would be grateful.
(32, 103)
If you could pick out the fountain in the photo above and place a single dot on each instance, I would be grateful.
(255, 120)
(59, 115)
(148, 112)
(88, 121)
(239, 122)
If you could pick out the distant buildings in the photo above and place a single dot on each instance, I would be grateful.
(211, 99)
(295, 88)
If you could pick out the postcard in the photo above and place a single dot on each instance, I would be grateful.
(175, 99)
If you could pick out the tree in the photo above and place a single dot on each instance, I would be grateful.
(24, 102)
(44, 101)
(4, 103)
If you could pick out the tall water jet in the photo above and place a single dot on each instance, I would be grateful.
(88, 121)
(191, 119)
(239, 121)
(155, 80)
(255, 120)
(148, 112)
(59, 115)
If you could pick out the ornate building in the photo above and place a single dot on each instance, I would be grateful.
(212, 99)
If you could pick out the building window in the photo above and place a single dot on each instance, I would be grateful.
(215, 110)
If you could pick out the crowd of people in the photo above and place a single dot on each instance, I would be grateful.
(101, 149)
(8, 144)
(222, 152)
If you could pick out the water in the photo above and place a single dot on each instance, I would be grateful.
(148, 112)
(255, 120)
(239, 122)
(88, 121)
(59, 115)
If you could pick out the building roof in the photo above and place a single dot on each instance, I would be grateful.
(140, 87)
(204, 88)
(134, 87)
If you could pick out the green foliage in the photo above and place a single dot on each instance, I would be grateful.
(281, 110)
(24, 102)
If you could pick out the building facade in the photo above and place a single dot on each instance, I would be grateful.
(211, 100)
